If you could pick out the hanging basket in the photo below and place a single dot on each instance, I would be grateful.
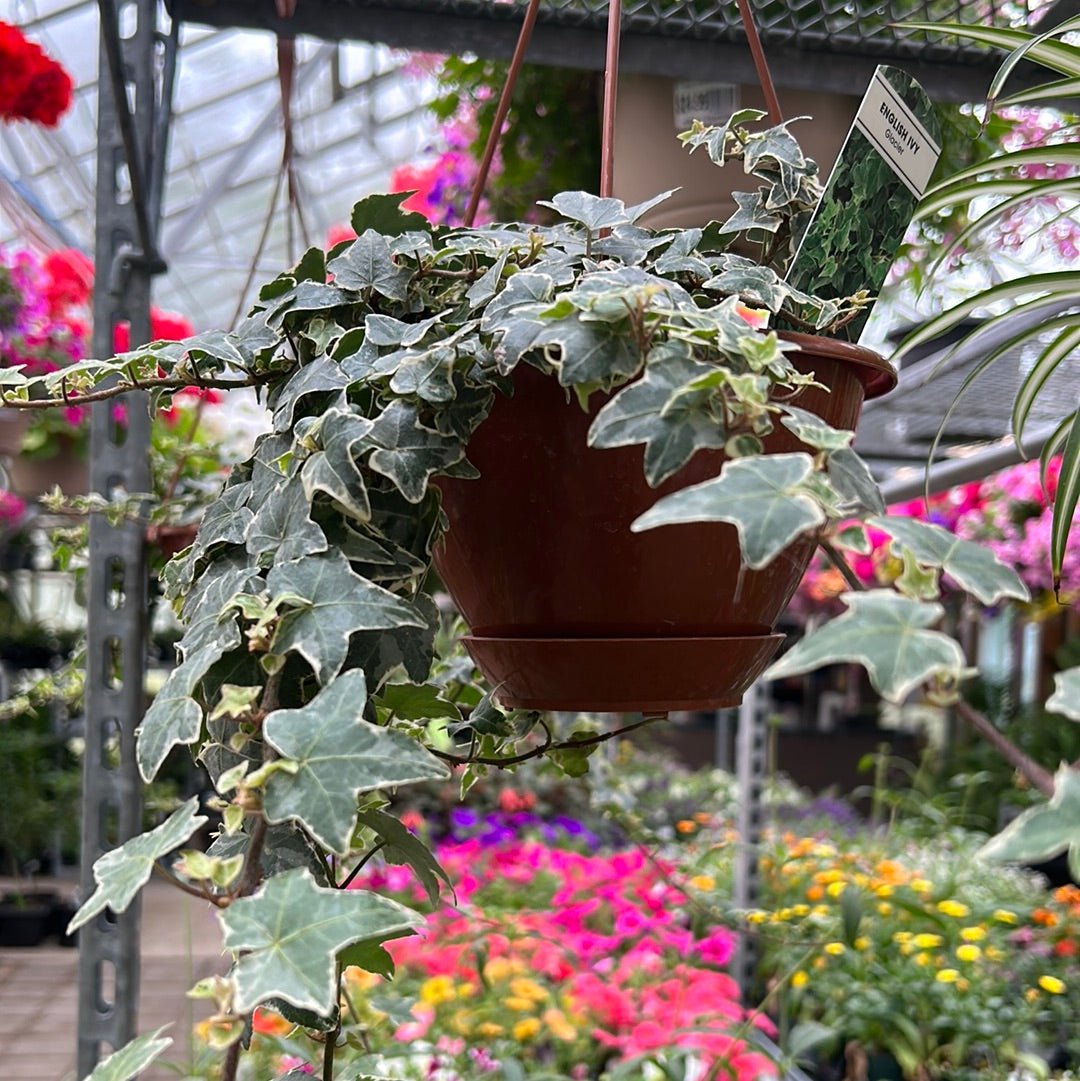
(570, 610)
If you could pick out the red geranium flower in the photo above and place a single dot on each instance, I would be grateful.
(33, 86)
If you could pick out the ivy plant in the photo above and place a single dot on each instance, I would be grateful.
(310, 678)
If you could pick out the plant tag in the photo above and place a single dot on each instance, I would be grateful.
(711, 103)
(870, 198)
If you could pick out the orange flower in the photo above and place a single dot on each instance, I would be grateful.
(269, 1023)
(1044, 916)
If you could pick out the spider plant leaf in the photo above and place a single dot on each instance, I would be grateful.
(1065, 499)
(1048, 362)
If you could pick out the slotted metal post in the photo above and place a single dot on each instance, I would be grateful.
(134, 86)
(751, 765)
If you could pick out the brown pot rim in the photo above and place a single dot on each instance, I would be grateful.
(875, 373)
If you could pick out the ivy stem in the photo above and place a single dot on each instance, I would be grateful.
(836, 558)
(347, 881)
(232, 1062)
(1027, 767)
(548, 745)
(332, 1037)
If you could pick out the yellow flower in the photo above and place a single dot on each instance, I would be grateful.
(947, 975)
(953, 908)
(1052, 985)
(901, 936)
(800, 910)
(1003, 915)
(862, 943)
(962, 984)
(558, 1025)
(921, 885)
(498, 969)
(518, 1004)
(835, 948)
(462, 1022)
(926, 940)
(490, 1028)
(834, 889)
(884, 908)
(884, 890)
(1031, 994)
(824, 878)
(968, 952)
(437, 989)
(757, 916)
(703, 882)
(523, 987)
(823, 850)
(922, 959)
(526, 1028)
(973, 934)
(994, 954)
(799, 979)
(820, 910)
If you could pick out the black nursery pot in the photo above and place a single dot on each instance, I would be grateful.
(26, 919)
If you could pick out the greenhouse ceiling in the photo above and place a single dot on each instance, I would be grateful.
(358, 111)
(358, 107)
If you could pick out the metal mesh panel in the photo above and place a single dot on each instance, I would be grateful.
(837, 25)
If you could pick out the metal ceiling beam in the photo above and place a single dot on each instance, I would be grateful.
(494, 34)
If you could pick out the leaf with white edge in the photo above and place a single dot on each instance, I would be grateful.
(972, 566)
(813, 431)
(322, 377)
(651, 411)
(889, 635)
(333, 471)
(590, 351)
(764, 497)
(174, 718)
(1066, 697)
(131, 1059)
(592, 211)
(368, 263)
(123, 871)
(407, 452)
(1041, 832)
(282, 528)
(287, 937)
(339, 755)
(853, 482)
(403, 847)
(338, 603)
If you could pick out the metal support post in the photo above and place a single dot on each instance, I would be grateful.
(135, 65)
(751, 764)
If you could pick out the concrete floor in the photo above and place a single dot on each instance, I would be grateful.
(39, 1000)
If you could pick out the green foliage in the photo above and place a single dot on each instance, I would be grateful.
(545, 100)
(1029, 295)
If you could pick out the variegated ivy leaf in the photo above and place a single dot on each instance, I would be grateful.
(282, 528)
(288, 935)
(175, 716)
(813, 431)
(715, 138)
(337, 603)
(652, 412)
(122, 872)
(751, 214)
(1066, 696)
(1040, 833)
(322, 377)
(972, 566)
(765, 497)
(853, 482)
(384, 330)
(131, 1059)
(589, 352)
(368, 264)
(889, 635)
(339, 755)
(333, 470)
(407, 452)
(595, 212)
(758, 282)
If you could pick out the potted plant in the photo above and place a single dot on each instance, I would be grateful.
(309, 674)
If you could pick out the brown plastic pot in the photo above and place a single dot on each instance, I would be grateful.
(568, 609)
